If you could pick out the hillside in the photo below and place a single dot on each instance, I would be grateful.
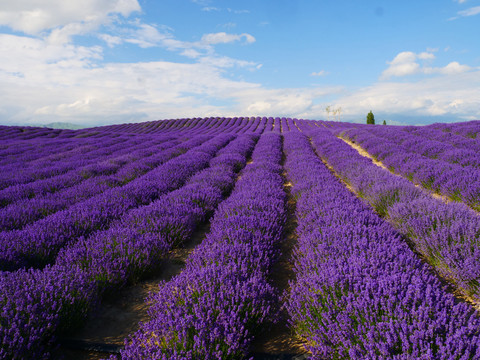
(250, 238)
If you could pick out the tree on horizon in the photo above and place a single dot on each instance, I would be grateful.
(370, 118)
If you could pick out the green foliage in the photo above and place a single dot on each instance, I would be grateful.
(384, 122)
(370, 118)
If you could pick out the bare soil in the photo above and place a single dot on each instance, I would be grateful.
(459, 294)
(280, 342)
(365, 153)
(119, 314)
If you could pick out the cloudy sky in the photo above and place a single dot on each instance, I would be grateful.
(96, 62)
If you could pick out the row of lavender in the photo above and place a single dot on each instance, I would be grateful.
(40, 139)
(105, 160)
(189, 125)
(14, 149)
(48, 199)
(193, 125)
(137, 242)
(58, 159)
(38, 243)
(87, 207)
(29, 202)
(104, 260)
(459, 140)
(447, 235)
(68, 156)
(214, 308)
(469, 129)
(360, 292)
(39, 304)
(450, 168)
(83, 166)
(9, 133)
(431, 143)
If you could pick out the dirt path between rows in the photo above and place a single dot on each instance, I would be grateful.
(366, 154)
(280, 342)
(119, 314)
(460, 296)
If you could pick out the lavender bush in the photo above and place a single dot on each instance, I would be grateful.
(447, 235)
(89, 211)
(360, 292)
(438, 166)
(213, 308)
(84, 270)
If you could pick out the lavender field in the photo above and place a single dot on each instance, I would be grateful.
(353, 241)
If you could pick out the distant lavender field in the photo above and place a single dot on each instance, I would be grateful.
(386, 261)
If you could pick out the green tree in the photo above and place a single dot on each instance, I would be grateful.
(384, 122)
(370, 118)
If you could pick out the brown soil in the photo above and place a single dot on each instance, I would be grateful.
(459, 294)
(297, 126)
(120, 314)
(280, 339)
(364, 153)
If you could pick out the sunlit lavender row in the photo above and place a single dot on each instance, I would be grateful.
(360, 292)
(383, 267)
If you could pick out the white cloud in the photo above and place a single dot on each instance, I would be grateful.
(452, 94)
(455, 68)
(286, 102)
(229, 25)
(49, 81)
(82, 93)
(224, 38)
(65, 83)
(34, 16)
(46, 77)
(319, 73)
(111, 40)
(28, 55)
(451, 69)
(64, 34)
(467, 12)
(191, 53)
(403, 64)
(244, 11)
(227, 62)
(427, 55)
(406, 63)
(470, 12)
(146, 36)
(210, 8)
(44, 82)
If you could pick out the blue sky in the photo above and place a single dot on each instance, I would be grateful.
(99, 62)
